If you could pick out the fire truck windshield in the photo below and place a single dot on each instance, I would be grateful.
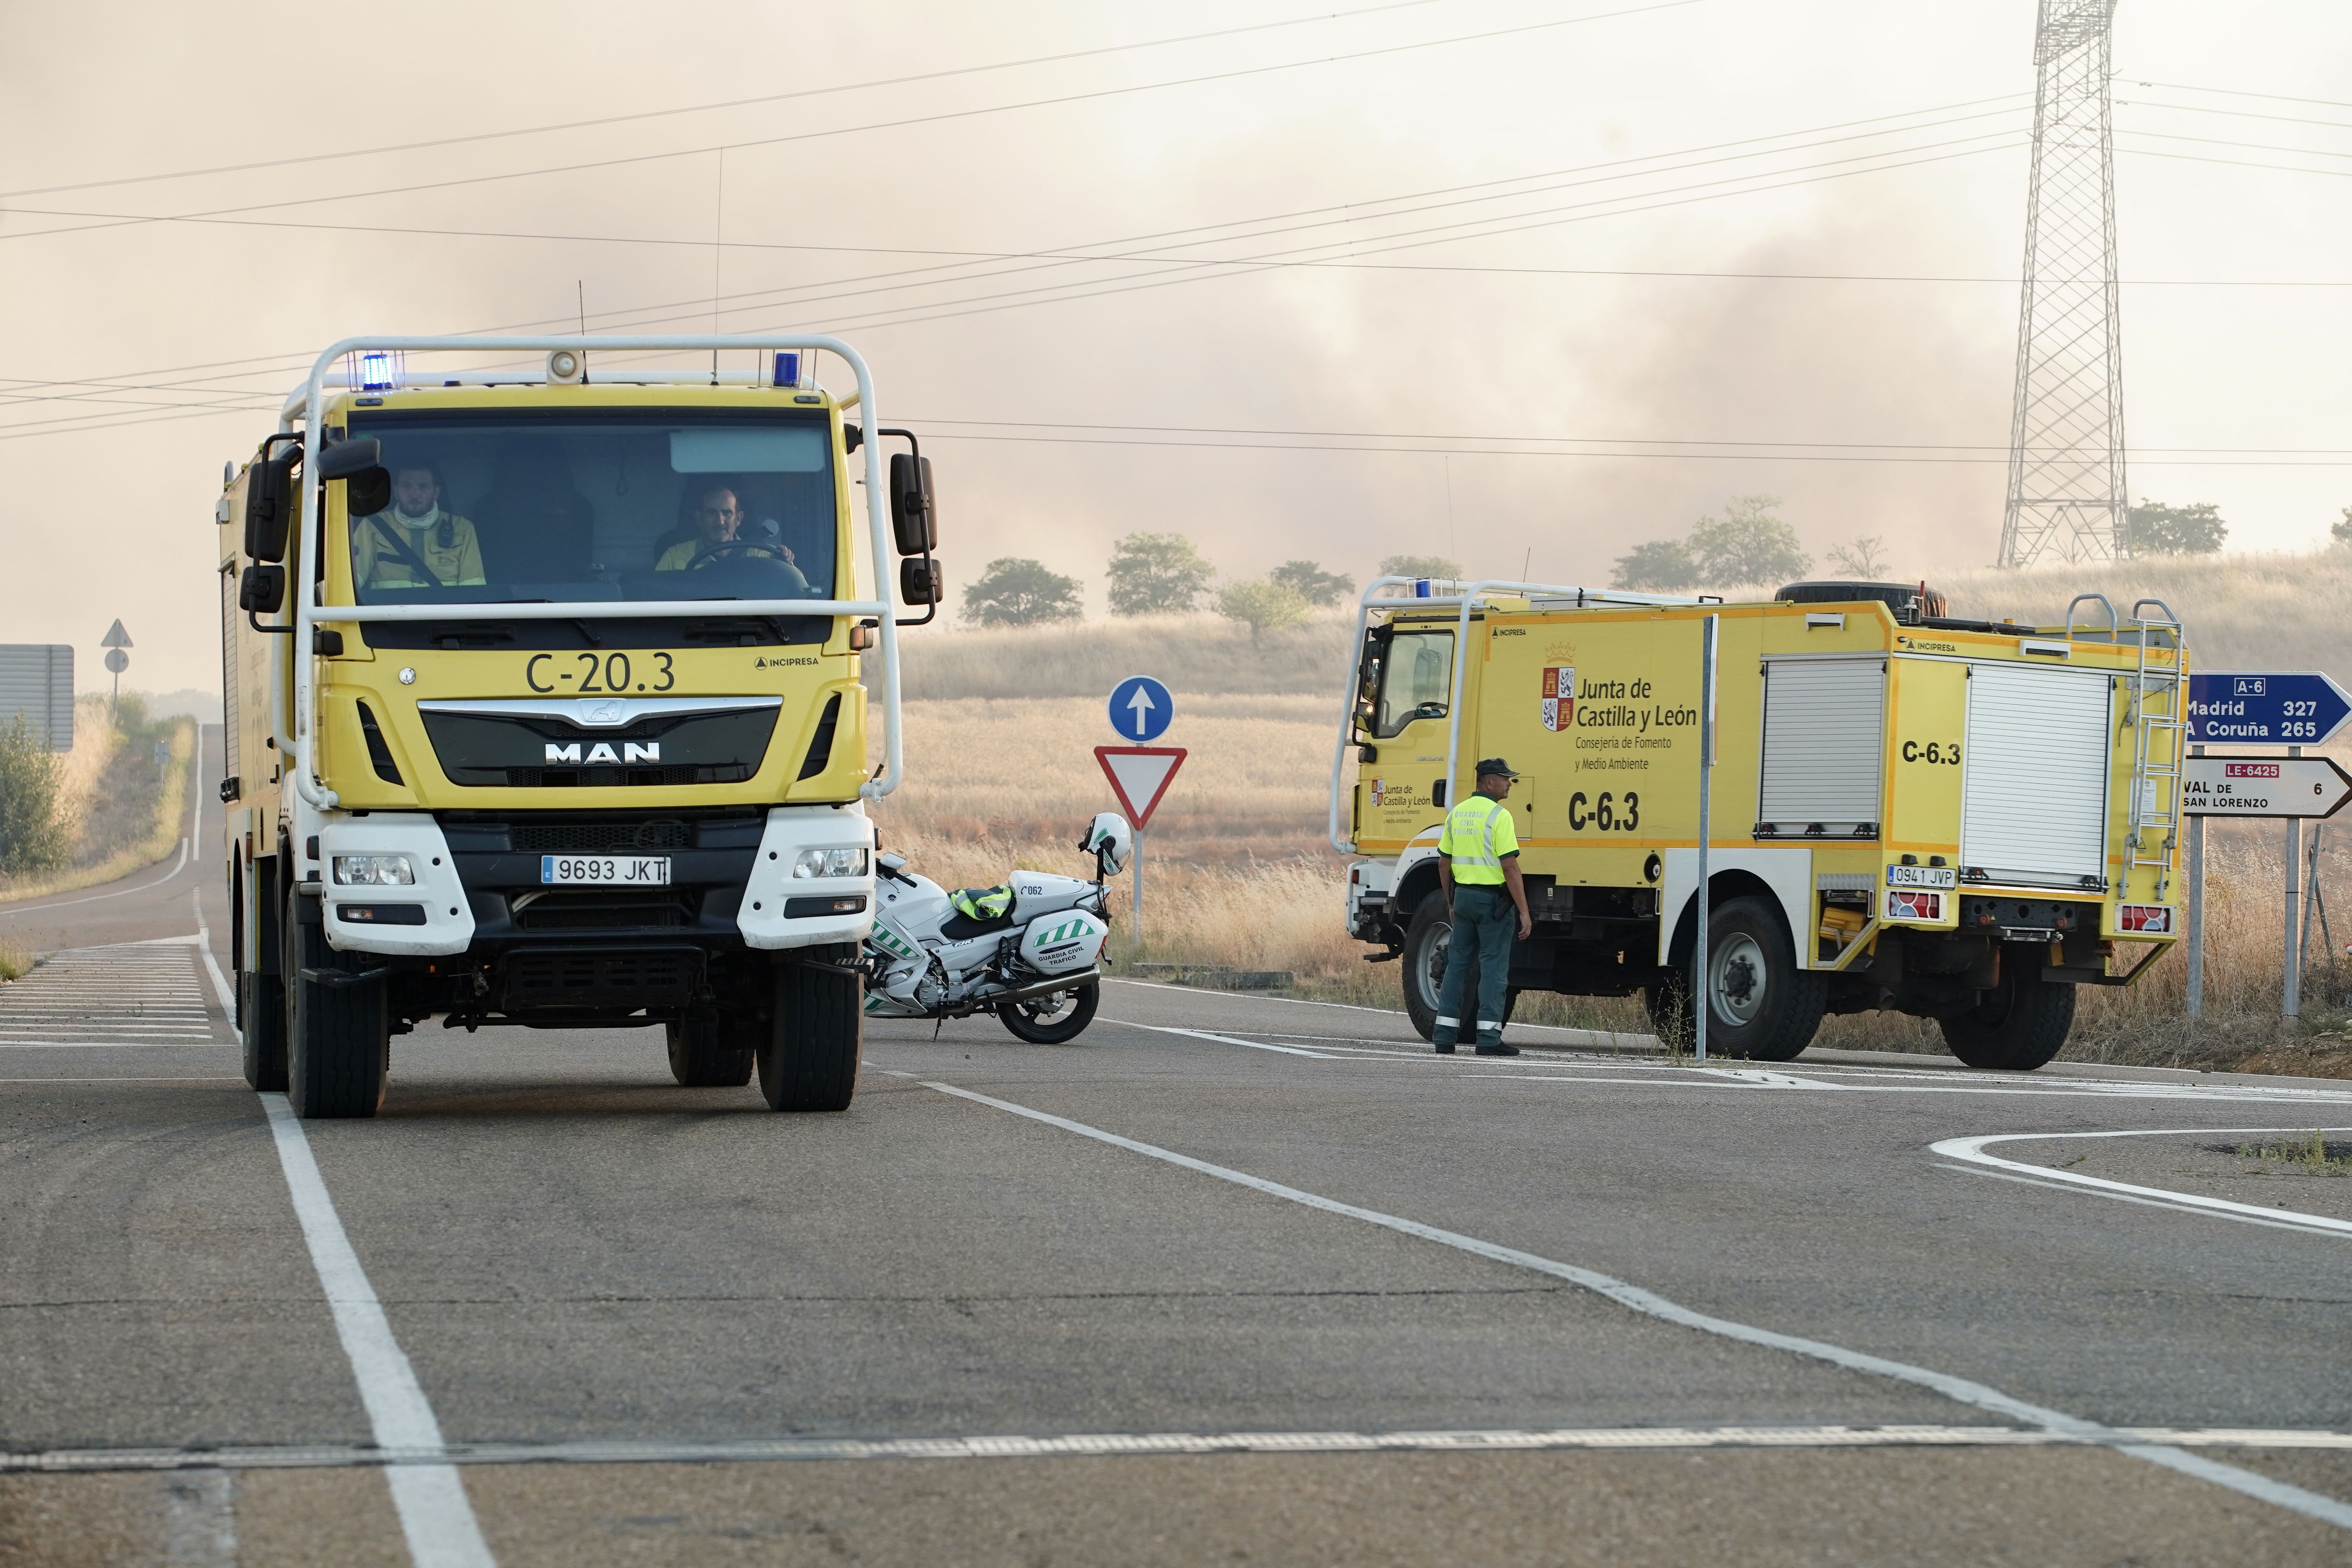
(511, 506)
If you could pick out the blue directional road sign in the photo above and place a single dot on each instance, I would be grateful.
(1140, 709)
(2264, 708)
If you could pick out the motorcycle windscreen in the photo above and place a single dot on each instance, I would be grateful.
(1063, 943)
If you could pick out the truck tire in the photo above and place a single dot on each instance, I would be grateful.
(808, 1059)
(1427, 938)
(1760, 1007)
(1056, 1019)
(2021, 1024)
(337, 1030)
(261, 1004)
(706, 1053)
(1427, 941)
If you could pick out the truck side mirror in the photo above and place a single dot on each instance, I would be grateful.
(262, 589)
(360, 463)
(269, 504)
(913, 512)
(922, 581)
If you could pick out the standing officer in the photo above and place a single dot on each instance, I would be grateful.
(1478, 859)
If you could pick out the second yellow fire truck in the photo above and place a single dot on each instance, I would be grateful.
(1950, 818)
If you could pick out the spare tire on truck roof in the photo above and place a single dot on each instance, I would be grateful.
(1896, 596)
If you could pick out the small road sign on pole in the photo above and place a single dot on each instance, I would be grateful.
(1140, 711)
(2264, 708)
(2263, 786)
(1139, 776)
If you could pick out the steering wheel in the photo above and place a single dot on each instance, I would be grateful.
(749, 548)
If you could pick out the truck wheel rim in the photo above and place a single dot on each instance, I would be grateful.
(1736, 979)
(1432, 968)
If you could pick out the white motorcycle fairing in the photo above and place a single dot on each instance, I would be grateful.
(923, 972)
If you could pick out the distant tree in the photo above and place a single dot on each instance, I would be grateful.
(1156, 571)
(1747, 544)
(1315, 585)
(1016, 592)
(1661, 566)
(2161, 530)
(32, 834)
(1262, 603)
(1865, 558)
(2343, 531)
(1421, 566)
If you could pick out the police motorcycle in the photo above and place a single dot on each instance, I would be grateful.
(1026, 950)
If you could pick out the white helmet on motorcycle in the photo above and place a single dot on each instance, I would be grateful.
(1111, 840)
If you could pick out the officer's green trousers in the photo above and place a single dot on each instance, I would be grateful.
(1485, 921)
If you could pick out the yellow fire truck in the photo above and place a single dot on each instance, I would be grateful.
(545, 704)
(1949, 818)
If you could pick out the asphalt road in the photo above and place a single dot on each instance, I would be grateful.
(1227, 1279)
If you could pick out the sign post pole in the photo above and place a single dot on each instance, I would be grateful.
(1136, 941)
(2291, 991)
(2197, 908)
(1701, 1001)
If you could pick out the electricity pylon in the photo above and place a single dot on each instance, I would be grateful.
(2066, 488)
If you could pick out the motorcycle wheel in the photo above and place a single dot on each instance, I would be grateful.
(1052, 1020)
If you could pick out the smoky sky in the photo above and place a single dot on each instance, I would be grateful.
(1068, 402)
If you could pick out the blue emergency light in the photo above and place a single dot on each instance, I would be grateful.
(376, 371)
(788, 367)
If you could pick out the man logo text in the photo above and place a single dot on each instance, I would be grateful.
(603, 753)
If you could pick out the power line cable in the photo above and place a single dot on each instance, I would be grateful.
(1666, 162)
(641, 116)
(942, 117)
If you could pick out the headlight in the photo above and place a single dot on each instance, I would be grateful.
(374, 871)
(829, 863)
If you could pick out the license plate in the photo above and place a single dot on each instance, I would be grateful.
(1922, 876)
(628, 871)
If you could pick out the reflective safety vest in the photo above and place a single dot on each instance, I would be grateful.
(983, 903)
(1478, 834)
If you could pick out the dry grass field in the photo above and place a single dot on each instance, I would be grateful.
(1002, 727)
(121, 811)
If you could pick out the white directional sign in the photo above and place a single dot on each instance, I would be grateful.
(2262, 786)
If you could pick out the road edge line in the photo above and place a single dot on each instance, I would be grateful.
(436, 1516)
(1960, 1390)
(1971, 1151)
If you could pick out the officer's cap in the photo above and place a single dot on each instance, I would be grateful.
(1495, 767)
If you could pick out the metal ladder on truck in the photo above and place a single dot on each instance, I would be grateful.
(2159, 725)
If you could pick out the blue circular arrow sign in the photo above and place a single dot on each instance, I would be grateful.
(1140, 709)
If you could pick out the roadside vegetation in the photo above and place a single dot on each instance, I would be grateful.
(114, 804)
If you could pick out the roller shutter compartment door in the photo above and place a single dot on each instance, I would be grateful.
(2034, 792)
(1825, 739)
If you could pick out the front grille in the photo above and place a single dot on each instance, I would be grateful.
(662, 977)
(632, 778)
(603, 909)
(598, 837)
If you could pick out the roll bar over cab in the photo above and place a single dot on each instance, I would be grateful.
(546, 706)
(1955, 819)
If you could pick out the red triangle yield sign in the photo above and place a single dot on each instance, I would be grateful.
(1139, 775)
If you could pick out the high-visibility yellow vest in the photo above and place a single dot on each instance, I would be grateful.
(1478, 833)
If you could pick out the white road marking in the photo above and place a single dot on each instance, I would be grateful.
(430, 1498)
(118, 1079)
(1017, 1445)
(2124, 1198)
(1227, 1040)
(1345, 1006)
(221, 988)
(1972, 1151)
(1859, 1080)
(1961, 1390)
